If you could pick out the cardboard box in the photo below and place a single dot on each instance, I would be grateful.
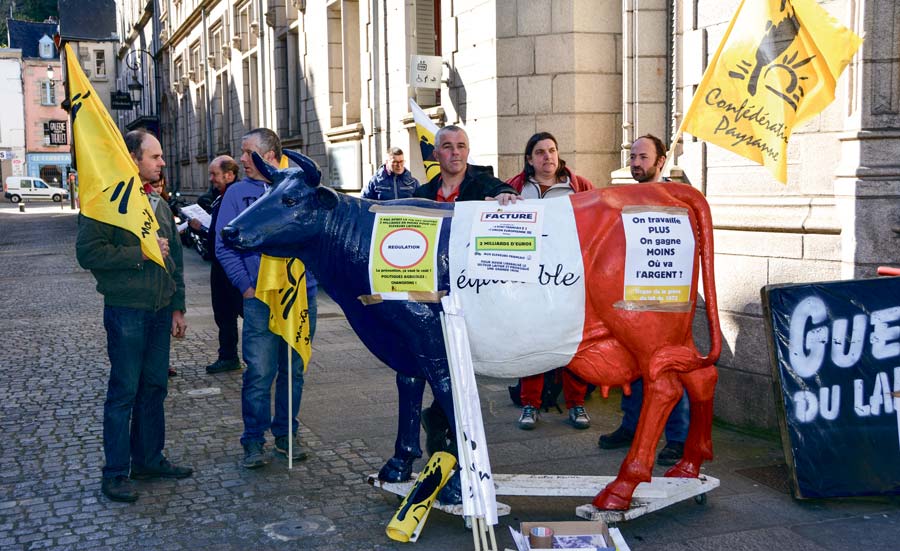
(572, 528)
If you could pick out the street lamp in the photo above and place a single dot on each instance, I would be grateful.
(136, 89)
(50, 73)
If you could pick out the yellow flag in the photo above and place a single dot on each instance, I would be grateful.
(110, 188)
(425, 129)
(776, 67)
(282, 286)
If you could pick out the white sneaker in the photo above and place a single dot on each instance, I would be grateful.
(579, 417)
(528, 418)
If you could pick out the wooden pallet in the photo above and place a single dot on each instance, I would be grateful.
(648, 496)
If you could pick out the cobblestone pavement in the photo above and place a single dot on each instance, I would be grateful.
(53, 370)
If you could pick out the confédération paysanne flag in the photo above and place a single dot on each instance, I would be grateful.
(282, 286)
(425, 129)
(110, 188)
(776, 67)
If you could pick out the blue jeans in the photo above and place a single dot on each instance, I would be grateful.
(679, 419)
(134, 422)
(266, 356)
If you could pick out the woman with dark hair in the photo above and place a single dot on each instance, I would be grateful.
(545, 175)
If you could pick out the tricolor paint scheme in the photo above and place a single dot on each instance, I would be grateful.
(332, 234)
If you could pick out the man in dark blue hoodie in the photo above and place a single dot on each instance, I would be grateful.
(264, 352)
(392, 180)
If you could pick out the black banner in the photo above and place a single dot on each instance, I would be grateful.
(120, 101)
(835, 351)
(57, 132)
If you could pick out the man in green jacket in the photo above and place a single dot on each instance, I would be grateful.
(143, 306)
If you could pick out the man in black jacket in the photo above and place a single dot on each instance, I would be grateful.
(458, 180)
(227, 302)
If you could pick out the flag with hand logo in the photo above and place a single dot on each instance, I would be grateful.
(282, 286)
(425, 130)
(110, 187)
(776, 67)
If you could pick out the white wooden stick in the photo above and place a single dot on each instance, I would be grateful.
(290, 359)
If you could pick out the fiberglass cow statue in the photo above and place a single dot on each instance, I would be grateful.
(606, 340)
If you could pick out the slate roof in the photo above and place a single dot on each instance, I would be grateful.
(26, 34)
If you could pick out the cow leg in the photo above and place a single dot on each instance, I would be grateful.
(700, 385)
(660, 397)
(406, 447)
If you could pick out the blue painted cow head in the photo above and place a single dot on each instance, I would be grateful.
(289, 215)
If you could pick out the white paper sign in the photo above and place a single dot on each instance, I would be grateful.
(659, 255)
(196, 212)
(505, 242)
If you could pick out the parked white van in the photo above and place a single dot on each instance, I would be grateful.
(18, 188)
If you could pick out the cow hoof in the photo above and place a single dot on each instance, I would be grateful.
(683, 469)
(608, 501)
(451, 493)
(396, 470)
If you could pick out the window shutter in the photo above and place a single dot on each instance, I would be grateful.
(424, 44)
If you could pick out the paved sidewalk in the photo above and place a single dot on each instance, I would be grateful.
(53, 370)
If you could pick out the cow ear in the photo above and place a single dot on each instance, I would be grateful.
(326, 197)
(263, 167)
(309, 167)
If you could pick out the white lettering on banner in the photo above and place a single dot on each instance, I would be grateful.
(811, 341)
(808, 346)
(807, 406)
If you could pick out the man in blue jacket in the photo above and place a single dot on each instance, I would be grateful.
(391, 181)
(264, 352)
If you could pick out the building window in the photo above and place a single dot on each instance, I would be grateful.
(48, 92)
(246, 27)
(221, 105)
(178, 73)
(215, 48)
(292, 95)
(251, 92)
(343, 62)
(201, 120)
(195, 67)
(99, 64)
(45, 47)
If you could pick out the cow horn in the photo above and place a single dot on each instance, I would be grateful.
(265, 169)
(309, 167)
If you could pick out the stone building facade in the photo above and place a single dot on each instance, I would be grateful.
(331, 77)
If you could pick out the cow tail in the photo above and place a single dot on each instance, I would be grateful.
(698, 204)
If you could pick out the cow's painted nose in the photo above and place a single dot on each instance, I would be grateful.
(230, 235)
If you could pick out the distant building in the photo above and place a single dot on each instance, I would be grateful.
(12, 116)
(47, 135)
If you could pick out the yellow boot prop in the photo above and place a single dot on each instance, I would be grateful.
(410, 518)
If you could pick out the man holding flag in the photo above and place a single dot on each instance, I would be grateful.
(265, 352)
(143, 304)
